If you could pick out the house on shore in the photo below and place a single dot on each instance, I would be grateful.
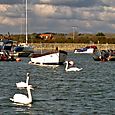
(46, 36)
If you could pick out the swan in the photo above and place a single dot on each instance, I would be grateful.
(23, 99)
(23, 84)
(71, 68)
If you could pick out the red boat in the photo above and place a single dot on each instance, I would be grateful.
(4, 56)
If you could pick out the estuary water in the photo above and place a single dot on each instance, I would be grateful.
(56, 92)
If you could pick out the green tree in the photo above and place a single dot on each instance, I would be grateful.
(100, 34)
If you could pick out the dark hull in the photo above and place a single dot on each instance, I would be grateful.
(23, 54)
(5, 56)
(60, 63)
(108, 59)
(8, 60)
(112, 58)
(96, 58)
(104, 55)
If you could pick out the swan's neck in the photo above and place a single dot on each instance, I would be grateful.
(27, 80)
(66, 66)
(29, 94)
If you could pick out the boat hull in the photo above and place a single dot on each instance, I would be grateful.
(50, 58)
(108, 59)
(111, 58)
(88, 51)
(4, 56)
(22, 54)
(104, 55)
(23, 51)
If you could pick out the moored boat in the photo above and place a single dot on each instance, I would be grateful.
(4, 56)
(86, 50)
(104, 55)
(111, 56)
(6, 44)
(7, 50)
(49, 58)
(23, 50)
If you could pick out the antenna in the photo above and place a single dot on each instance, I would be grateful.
(26, 22)
(73, 27)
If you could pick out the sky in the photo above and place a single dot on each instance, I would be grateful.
(59, 16)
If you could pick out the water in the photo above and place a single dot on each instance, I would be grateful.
(56, 92)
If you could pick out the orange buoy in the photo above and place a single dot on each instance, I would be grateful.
(18, 59)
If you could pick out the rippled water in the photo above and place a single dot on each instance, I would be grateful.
(56, 92)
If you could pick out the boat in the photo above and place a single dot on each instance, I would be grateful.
(6, 44)
(24, 49)
(4, 56)
(5, 50)
(104, 55)
(86, 50)
(112, 55)
(56, 57)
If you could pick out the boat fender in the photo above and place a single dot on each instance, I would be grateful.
(18, 59)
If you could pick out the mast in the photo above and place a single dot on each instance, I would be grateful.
(26, 22)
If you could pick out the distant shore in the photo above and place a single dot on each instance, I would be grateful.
(69, 46)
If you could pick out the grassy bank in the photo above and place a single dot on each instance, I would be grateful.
(69, 46)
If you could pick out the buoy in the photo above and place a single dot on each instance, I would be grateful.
(18, 59)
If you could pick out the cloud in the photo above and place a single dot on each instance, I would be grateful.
(73, 3)
(10, 21)
(10, 15)
(59, 15)
(109, 2)
(44, 10)
(11, 1)
(4, 7)
(88, 17)
(83, 13)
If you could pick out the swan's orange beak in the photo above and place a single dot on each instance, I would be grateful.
(31, 87)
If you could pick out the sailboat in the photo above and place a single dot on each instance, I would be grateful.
(24, 49)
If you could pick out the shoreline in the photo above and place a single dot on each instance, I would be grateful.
(69, 46)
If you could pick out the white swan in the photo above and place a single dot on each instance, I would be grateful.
(71, 68)
(23, 84)
(23, 99)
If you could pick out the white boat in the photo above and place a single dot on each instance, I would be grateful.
(49, 58)
(86, 50)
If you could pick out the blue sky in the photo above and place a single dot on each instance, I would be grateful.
(87, 16)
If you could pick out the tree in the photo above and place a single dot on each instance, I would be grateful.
(100, 34)
(34, 35)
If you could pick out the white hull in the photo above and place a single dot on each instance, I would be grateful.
(88, 51)
(52, 58)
